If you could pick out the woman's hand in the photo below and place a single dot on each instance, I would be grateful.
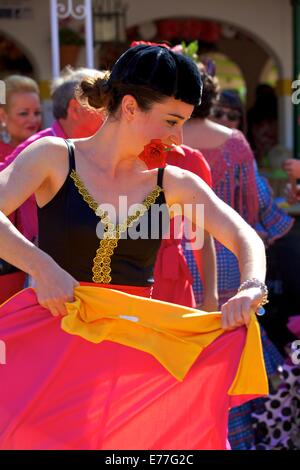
(54, 286)
(292, 193)
(292, 167)
(237, 310)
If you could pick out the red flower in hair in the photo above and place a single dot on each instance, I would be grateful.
(147, 43)
(154, 154)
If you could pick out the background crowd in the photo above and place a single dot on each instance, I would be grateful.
(229, 147)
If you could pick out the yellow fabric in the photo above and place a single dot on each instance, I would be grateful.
(173, 334)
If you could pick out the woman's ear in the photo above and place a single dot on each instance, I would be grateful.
(129, 107)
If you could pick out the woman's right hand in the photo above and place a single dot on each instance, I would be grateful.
(54, 286)
(292, 193)
(292, 167)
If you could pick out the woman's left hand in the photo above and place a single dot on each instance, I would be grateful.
(292, 167)
(237, 310)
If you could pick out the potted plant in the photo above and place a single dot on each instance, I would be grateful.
(70, 44)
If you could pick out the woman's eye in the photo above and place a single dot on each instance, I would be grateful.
(172, 123)
(25, 113)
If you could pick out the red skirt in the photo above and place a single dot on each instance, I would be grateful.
(11, 284)
(59, 391)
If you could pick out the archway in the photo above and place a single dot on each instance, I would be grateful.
(249, 59)
(250, 54)
(229, 74)
(269, 73)
(13, 59)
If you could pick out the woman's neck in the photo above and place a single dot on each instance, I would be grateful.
(116, 154)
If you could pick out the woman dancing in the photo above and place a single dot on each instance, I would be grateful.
(111, 368)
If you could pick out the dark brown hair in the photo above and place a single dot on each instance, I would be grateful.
(150, 73)
(231, 99)
(210, 93)
(95, 93)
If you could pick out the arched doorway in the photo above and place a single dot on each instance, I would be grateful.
(230, 76)
(243, 61)
(270, 73)
(242, 48)
(13, 59)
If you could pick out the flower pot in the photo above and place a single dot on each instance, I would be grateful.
(69, 55)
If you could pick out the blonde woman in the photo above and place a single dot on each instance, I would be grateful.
(20, 118)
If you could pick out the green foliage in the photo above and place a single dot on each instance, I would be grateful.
(68, 37)
(191, 50)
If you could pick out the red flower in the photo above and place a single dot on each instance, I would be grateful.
(154, 154)
(147, 43)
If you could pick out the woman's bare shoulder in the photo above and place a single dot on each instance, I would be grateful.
(177, 173)
(206, 134)
(184, 186)
(40, 165)
(53, 144)
(48, 152)
(179, 178)
(216, 134)
(219, 128)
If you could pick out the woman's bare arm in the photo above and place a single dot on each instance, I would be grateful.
(230, 229)
(206, 262)
(210, 274)
(32, 172)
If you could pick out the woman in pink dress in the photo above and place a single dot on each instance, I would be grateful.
(20, 118)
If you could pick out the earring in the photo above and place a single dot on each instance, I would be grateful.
(4, 135)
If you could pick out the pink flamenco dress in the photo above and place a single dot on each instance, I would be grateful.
(12, 279)
(120, 370)
(173, 281)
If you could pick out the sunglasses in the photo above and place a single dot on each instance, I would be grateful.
(230, 115)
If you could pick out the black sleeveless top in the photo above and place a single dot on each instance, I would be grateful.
(80, 237)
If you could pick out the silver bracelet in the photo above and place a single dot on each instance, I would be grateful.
(257, 283)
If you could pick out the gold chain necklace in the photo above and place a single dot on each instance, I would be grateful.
(102, 261)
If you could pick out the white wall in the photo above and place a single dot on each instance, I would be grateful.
(270, 20)
(33, 36)
(267, 21)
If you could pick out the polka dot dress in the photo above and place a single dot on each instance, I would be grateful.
(277, 424)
